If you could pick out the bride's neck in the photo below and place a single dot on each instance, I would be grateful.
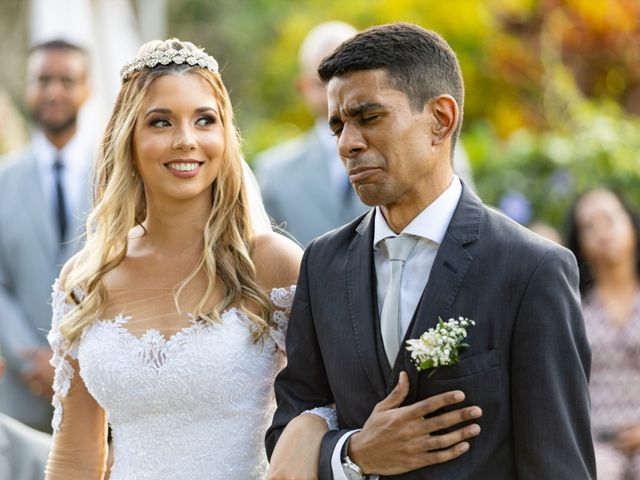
(176, 226)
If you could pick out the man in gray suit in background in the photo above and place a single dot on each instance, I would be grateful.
(44, 194)
(304, 185)
(303, 182)
(23, 450)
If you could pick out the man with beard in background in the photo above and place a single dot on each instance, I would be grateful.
(44, 192)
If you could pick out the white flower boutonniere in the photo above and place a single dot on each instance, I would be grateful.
(439, 346)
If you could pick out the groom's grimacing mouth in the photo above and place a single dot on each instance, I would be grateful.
(363, 172)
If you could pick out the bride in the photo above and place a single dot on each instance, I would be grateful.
(169, 323)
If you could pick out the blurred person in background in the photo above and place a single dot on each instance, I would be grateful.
(13, 132)
(44, 189)
(304, 184)
(23, 450)
(604, 234)
(545, 230)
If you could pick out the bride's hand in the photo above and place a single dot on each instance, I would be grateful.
(297, 453)
(628, 440)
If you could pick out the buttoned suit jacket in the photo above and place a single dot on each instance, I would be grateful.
(526, 366)
(23, 451)
(29, 263)
(297, 190)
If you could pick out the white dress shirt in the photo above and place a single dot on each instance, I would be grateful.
(430, 227)
(75, 157)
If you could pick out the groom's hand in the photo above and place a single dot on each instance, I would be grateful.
(396, 440)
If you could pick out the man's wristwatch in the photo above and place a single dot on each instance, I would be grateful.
(350, 469)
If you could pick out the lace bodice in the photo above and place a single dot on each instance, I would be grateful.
(193, 406)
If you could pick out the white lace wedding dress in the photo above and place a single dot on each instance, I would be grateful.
(194, 406)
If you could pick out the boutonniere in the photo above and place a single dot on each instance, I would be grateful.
(439, 346)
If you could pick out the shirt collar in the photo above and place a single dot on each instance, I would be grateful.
(430, 224)
(74, 154)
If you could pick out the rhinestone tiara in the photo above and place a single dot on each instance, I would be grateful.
(165, 57)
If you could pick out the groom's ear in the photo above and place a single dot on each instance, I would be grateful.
(445, 112)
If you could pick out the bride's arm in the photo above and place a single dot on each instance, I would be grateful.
(79, 447)
(297, 453)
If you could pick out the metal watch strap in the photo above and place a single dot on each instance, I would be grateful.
(353, 471)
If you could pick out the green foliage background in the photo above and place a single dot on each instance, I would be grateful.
(553, 86)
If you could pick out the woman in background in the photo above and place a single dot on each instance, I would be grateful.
(604, 234)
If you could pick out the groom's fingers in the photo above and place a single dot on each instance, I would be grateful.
(443, 448)
(397, 395)
(449, 419)
(441, 456)
(439, 442)
(431, 404)
(396, 440)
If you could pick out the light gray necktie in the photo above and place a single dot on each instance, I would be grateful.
(398, 249)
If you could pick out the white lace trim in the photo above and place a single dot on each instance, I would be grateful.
(154, 353)
(327, 413)
(62, 349)
(282, 298)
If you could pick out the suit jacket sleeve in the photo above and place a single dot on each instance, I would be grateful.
(16, 332)
(550, 365)
(303, 383)
(268, 188)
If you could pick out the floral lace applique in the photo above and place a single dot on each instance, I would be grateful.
(327, 413)
(62, 351)
(172, 402)
(282, 299)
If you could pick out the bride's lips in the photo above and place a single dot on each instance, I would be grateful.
(184, 167)
(359, 174)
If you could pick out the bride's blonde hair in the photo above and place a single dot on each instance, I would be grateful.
(119, 204)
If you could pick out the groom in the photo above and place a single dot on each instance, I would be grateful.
(396, 106)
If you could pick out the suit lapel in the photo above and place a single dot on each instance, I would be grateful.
(79, 218)
(449, 269)
(36, 208)
(359, 292)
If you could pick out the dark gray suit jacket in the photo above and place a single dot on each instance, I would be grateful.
(527, 364)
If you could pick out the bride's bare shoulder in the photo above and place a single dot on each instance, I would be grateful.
(277, 260)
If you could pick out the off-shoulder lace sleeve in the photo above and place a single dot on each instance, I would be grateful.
(282, 299)
(63, 350)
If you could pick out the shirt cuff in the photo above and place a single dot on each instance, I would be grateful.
(336, 457)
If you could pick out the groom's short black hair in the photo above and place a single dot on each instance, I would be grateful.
(419, 63)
